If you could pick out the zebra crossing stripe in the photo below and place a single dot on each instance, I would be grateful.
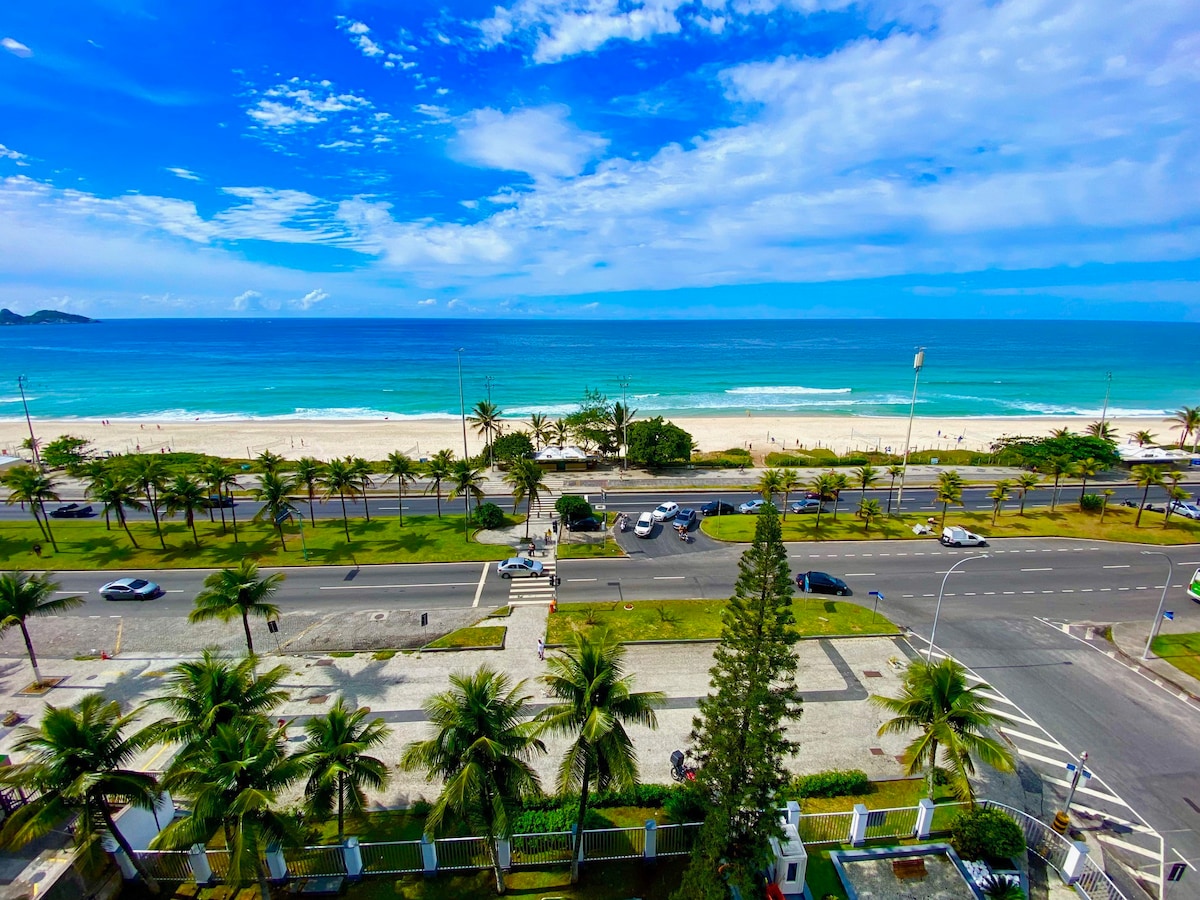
(1090, 792)
(1020, 735)
(1125, 845)
(1109, 817)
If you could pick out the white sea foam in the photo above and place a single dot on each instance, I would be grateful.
(1091, 412)
(554, 410)
(786, 389)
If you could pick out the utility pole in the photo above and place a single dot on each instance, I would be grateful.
(1062, 819)
(624, 425)
(918, 362)
(23, 380)
(1104, 411)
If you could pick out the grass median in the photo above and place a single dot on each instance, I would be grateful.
(1180, 650)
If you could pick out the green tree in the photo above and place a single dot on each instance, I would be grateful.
(1145, 477)
(824, 486)
(274, 492)
(78, 759)
(655, 442)
(339, 479)
(309, 472)
(1103, 430)
(222, 479)
(526, 480)
(27, 484)
(402, 470)
(769, 484)
(511, 447)
(865, 477)
(1174, 493)
(269, 462)
(998, 495)
(1034, 453)
(1188, 420)
(1143, 437)
(893, 472)
(438, 469)
(590, 424)
(66, 452)
(838, 482)
(481, 750)
(485, 419)
(338, 763)
(23, 597)
(869, 511)
(622, 417)
(467, 482)
(788, 482)
(149, 473)
(362, 472)
(1085, 469)
(183, 494)
(117, 494)
(539, 427)
(1026, 482)
(230, 593)
(951, 717)
(560, 433)
(739, 734)
(591, 703)
(1056, 467)
(949, 490)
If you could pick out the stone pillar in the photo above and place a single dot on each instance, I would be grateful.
(1073, 867)
(793, 813)
(276, 864)
(352, 857)
(198, 861)
(858, 824)
(504, 851)
(124, 863)
(924, 817)
(428, 855)
(651, 851)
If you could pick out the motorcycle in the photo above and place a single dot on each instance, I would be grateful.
(679, 770)
(622, 523)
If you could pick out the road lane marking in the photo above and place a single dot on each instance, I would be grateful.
(860, 574)
(1038, 570)
(379, 587)
(77, 593)
(1013, 733)
(479, 587)
(1126, 566)
(581, 579)
(669, 577)
(174, 591)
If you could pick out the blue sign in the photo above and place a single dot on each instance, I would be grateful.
(1071, 767)
(1168, 614)
(878, 594)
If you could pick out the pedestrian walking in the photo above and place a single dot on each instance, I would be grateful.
(37, 550)
(541, 649)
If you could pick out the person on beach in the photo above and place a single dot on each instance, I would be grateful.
(541, 649)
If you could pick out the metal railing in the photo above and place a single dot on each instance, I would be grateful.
(944, 815)
(676, 840)
(542, 849)
(391, 858)
(462, 853)
(1096, 884)
(614, 843)
(825, 828)
(315, 862)
(165, 865)
(897, 822)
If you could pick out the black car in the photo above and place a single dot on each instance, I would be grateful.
(718, 508)
(72, 511)
(214, 501)
(589, 523)
(822, 583)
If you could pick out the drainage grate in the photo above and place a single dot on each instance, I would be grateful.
(877, 751)
(871, 673)
(324, 662)
(320, 698)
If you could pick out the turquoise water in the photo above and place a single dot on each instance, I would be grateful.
(369, 368)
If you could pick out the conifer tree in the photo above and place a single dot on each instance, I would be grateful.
(740, 736)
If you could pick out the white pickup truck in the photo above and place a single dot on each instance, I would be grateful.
(954, 536)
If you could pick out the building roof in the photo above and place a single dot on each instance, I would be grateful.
(554, 454)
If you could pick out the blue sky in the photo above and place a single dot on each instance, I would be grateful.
(602, 158)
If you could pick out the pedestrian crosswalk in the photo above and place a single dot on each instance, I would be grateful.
(538, 590)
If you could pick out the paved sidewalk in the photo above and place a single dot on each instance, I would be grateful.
(1130, 640)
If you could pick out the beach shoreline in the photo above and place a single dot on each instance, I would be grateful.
(420, 438)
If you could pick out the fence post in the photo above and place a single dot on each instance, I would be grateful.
(924, 817)
(651, 851)
(276, 864)
(1077, 856)
(582, 842)
(504, 851)
(428, 855)
(858, 824)
(793, 813)
(198, 862)
(352, 857)
(128, 872)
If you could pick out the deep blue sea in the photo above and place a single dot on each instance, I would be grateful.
(369, 368)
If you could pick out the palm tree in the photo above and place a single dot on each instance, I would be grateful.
(1026, 482)
(438, 470)
(268, 462)
(539, 428)
(525, 477)
(362, 471)
(1108, 492)
(1143, 438)
(620, 419)
(768, 484)
(274, 492)
(224, 477)
(24, 596)
(184, 494)
(893, 472)
(308, 472)
(1085, 469)
(78, 758)
(339, 479)
(998, 495)
(482, 749)
(335, 757)
(1103, 430)
(595, 702)
(234, 783)
(949, 490)
(1145, 477)
(1174, 492)
(1061, 432)
(788, 482)
(27, 484)
(868, 511)
(560, 432)
(117, 494)
(1057, 466)
(823, 486)
(950, 717)
(149, 473)
(485, 419)
(865, 477)
(237, 592)
(467, 483)
(837, 483)
(401, 468)
(1188, 420)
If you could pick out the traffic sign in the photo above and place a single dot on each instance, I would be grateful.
(878, 595)
(1071, 768)
(1169, 614)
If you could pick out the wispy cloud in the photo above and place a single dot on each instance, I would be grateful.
(298, 103)
(185, 174)
(359, 34)
(311, 299)
(15, 47)
(542, 142)
(6, 153)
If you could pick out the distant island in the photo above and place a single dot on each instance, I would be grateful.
(43, 317)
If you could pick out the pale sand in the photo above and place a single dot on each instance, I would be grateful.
(325, 439)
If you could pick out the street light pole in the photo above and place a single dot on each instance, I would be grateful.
(918, 362)
(1162, 602)
(938, 609)
(1107, 388)
(624, 425)
(462, 403)
(37, 459)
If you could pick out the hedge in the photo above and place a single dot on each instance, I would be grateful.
(832, 783)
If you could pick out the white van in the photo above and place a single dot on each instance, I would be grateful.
(954, 536)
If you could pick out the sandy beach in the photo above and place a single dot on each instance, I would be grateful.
(374, 439)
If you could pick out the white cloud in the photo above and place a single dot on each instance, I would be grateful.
(542, 141)
(454, 304)
(297, 103)
(246, 300)
(340, 145)
(430, 301)
(6, 153)
(311, 299)
(16, 48)
(358, 32)
(185, 174)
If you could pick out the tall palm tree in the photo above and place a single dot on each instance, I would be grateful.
(234, 783)
(951, 717)
(823, 486)
(525, 478)
(949, 490)
(1026, 482)
(481, 750)
(560, 432)
(340, 479)
(78, 759)
(865, 477)
(402, 470)
(893, 472)
(869, 511)
(539, 428)
(620, 418)
(1174, 492)
(362, 471)
(838, 482)
(274, 492)
(1143, 437)
(308, 472)
(27, 484)
(788, 482)
(1057, 467)
(467, 482)
(149, 473)
(186, 495)
(117, 493)
(592, 703)
(224, 478)
(1085, 469)
(1108, 492)
(438, 470)
(1188, 420)
(229, 593)
(218, 476)
(25, 596)
(1103, 430)
(998, 495)
(338, 764)
(1145, 477)
(485, 419)
(769, 483)
(268, 462)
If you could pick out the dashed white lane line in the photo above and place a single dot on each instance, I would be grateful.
(581, 579)
(860, 574)
(377, 587)
(669, 577)
(1053, 745)
(479, 586)
(1045, 569)
(1126, 566)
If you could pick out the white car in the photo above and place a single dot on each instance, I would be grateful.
(665, 511)
(645, 525)
(954, 536)
(519, 566)
(1185, 508)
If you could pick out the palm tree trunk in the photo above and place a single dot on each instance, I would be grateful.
(107, 522)
(1082, 488)
(33, 508)
(467, 517)
(154, 512)
(49, 533)
(106, 814)
(932, 769)
(233, 518)
(125, 525)
(945, 507)
(221, 505)
(345, 516)
(1141, 507)
(366, 502)
(1054, 496)
(312, 513)
(264, 885)
(400, 502)
(577, 844)
(438, 491)
(279, 528)
(528, 513)
(341, 808)
(494, 852)
(246, 628)
(37, 676)
(191, 520)
(891, 487)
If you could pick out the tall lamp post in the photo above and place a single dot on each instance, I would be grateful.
(22, 380)
(1162, 602)
(624, 425)
(462, 403)
(938, 609)
(918, 362)
(1107, 389)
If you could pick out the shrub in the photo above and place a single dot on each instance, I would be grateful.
(686, 803)
(556, 818)
(1091, 503)
(489, 515)
(833, 783)
(572, 507)
(788, 459)
(986, 833)
(1000, 887)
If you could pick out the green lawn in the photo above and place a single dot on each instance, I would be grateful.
(882, 795)
(475, 636)
(86, 544)
(1065, 521)
(701, 619)
(1180, 650)
(608, 550)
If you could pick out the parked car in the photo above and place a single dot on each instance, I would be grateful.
(664, 511)
(645, 525)
(954, 536)
(217, 501)
(822, 583)
(753, 506)
(587, 523)
(685, 519)
(1184, 508)
(130, 589)
(717, 508)
(805, 506)
(72, 511)
(518, 567)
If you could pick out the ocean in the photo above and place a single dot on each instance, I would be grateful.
(212, 369)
